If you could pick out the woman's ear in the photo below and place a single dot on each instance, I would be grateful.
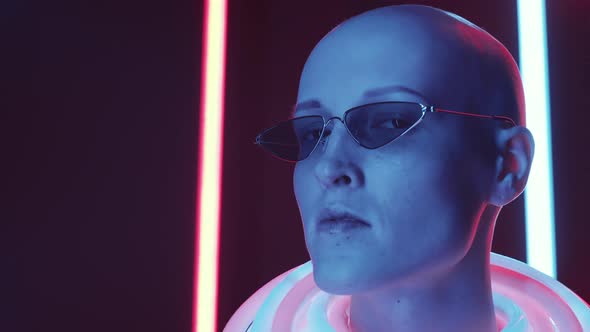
(515, 148)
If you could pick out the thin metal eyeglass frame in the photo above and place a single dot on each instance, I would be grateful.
(423, 107)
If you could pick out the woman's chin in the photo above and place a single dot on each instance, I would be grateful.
(338, 280)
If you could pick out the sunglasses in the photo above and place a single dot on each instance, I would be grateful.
(371, 126)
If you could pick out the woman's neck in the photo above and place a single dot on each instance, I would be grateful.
(458, 299)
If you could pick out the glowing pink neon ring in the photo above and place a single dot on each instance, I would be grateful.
(524, 299)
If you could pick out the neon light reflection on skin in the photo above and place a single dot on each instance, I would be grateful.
(540, 240)
(210, 161)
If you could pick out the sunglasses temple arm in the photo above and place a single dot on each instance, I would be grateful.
(495, 117)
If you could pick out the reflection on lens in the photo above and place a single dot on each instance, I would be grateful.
(294, 139)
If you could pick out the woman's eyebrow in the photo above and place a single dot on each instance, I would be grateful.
(306, 105)
(392, 89)
(375, 92)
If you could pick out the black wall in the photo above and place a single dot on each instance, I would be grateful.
(101, 145)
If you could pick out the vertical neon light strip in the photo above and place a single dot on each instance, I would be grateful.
(210, 161)
(540, 238)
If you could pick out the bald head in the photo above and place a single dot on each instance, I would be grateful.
(450, 61)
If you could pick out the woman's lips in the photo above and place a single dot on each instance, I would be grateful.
(341, 225)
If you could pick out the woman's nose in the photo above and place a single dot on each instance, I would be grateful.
(337, 162)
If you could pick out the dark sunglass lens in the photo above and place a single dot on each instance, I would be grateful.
(375, 125)
(294, 139)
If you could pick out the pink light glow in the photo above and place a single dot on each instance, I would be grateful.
(210, 161)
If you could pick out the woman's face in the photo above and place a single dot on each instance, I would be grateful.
(420, 195)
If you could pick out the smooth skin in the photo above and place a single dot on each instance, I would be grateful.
(432, 196)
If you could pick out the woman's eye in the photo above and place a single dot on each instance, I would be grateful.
(313, 134)
(392, 123)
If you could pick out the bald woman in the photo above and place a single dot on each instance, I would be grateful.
(409, 137)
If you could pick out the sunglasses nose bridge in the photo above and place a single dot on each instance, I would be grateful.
(328, 128)
(333, 118)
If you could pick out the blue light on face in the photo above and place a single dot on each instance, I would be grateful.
(540, 237)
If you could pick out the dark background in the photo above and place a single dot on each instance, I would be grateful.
(100, 105)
